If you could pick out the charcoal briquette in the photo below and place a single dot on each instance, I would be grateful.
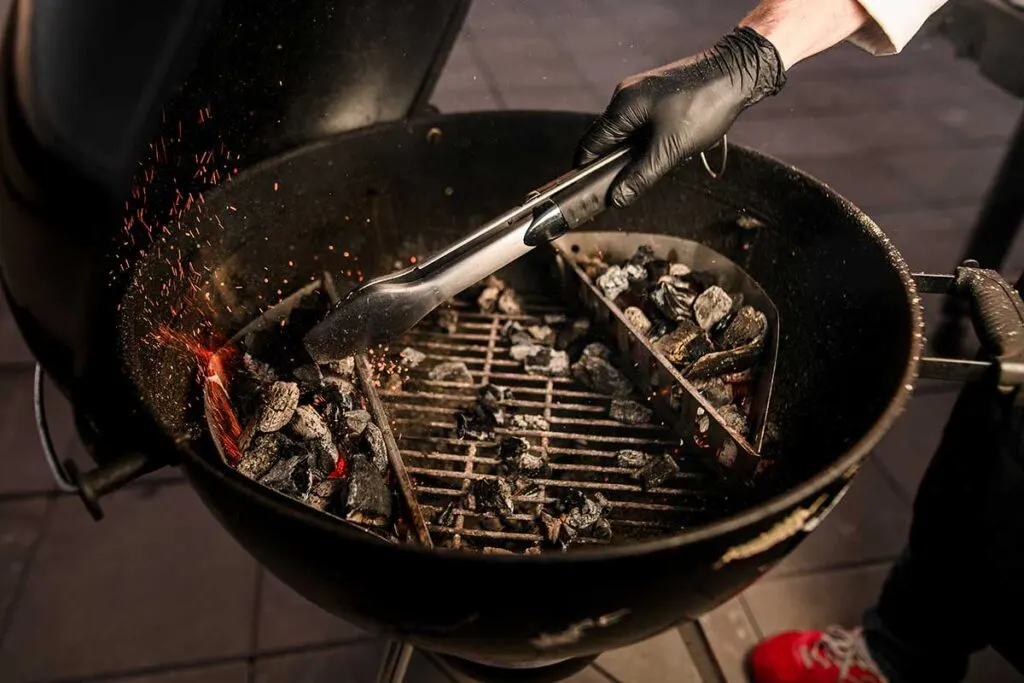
(411, 357)
(324, 494)
(631, 459)
(309, 376)
(308, 424)
(258, 370)
(715, 390)
(509, 303)
(530, 422)
(512, 447)
(368, 500)
(493, 495)
(550, 525)
(712, 305)
(685, 344)
(602, 530)
(470, 425)
(263, 452)
(581, 510)
(447, 516)
(488, 299)
(701, 279)
(613, 282)
(451, 371)
(674, 298)
(290, 476)
(630, 412)
(547, 362)
(636, 319)
(734, 419)
(355, 421)
(345, 367)
(635, 274)
(597, 350)
(598, 374)
(447, 319)
(340, 391)
(373, 441)
(643, 256)
(520, 352)
(516, 334)
(746, 327)
(658, 470)
(678, 269)
(279, 404)
(541, 334)
(529, 465)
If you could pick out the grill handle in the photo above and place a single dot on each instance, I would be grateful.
(997, 313)
(96, 483)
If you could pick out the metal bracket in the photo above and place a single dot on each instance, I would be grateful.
(60, 475)
(725, 158)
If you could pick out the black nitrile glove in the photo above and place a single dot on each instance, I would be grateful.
(682, 109)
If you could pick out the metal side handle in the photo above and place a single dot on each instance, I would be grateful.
(997, 312)
(97, 482)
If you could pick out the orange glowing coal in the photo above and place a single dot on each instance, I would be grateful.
(221, 416)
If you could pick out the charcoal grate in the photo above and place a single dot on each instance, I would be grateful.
(581, 443)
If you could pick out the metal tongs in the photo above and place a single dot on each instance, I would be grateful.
(385, 307)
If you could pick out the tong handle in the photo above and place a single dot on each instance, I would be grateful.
(582, 193)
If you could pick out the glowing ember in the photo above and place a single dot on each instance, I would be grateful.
(224, 423)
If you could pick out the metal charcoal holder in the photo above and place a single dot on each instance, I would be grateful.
(673, 397)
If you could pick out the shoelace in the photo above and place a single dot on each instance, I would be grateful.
(845, 649)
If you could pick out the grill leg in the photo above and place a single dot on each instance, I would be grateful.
(395, 662)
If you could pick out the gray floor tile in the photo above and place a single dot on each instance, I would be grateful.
(21, 454)
(12, 345)
(554, 98)
(861, 179)
(731, 634)
(158, 582)
(908, 447)
(288, 620)
(815, 601)
(21, 522)
(946, 176)
(221, 673)
(870, 524)
(355, 663)
(661, 658)
(476, 98)
(786, 138)
(931, 240)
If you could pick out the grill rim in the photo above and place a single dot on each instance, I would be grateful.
(846, 464)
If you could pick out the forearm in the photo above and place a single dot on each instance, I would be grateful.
(802, 28)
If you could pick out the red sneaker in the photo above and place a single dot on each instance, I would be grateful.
(834, 655)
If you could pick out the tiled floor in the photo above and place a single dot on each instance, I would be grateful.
(159, 593)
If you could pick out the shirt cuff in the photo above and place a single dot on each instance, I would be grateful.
(893, 23)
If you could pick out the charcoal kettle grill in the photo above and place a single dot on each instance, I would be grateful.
(337, 164)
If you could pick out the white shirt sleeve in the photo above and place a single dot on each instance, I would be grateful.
(894, 23)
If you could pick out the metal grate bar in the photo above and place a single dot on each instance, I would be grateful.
(581, 443)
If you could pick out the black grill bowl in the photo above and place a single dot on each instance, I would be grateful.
(850, 340)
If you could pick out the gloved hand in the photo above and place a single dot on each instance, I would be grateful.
(682, 109)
